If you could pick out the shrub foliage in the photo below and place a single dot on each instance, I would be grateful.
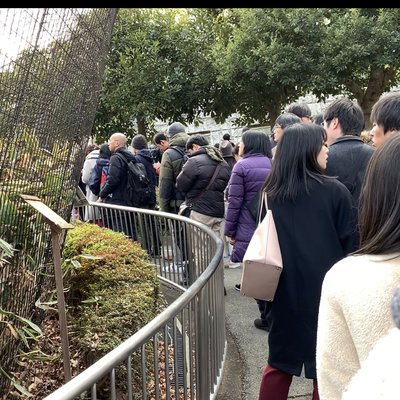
(112, 289)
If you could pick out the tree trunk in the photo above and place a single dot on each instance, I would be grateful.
(141, 125)
(274, 111)
(379, 80)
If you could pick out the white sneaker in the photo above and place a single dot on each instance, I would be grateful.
(234, 265)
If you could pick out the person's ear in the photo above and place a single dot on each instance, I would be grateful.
(335, 122)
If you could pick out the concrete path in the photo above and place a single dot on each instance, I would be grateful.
(247, 351)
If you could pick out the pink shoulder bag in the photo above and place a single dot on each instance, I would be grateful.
(262, 262)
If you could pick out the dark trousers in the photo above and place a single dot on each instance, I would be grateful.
(151, 239)
(265, 308)
(181, 236)
(275, 385)
(120, 221)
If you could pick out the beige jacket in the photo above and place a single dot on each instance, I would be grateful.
(378, 379)
(354, 314)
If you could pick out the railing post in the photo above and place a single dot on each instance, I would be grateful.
(202, 371)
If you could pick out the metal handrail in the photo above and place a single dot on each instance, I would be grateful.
(209, 315)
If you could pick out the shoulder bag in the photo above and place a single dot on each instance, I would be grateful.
(262, 262)
(185, 208)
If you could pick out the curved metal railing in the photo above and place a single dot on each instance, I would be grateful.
(180, 354)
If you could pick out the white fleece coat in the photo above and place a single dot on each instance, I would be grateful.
(88, 165)
(378, 378)
(354, 314)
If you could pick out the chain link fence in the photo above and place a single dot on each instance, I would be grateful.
(51, 68)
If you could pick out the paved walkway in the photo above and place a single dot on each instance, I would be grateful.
(247, 348)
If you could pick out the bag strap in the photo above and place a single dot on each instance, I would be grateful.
(217, 168)
(263, 201)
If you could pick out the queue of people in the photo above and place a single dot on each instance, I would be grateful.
(336, 210)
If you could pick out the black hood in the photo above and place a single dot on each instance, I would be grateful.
(146, 153)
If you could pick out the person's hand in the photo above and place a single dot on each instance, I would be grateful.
(99, 200)
(231, 240)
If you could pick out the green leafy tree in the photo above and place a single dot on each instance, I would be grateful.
(158, 68)
(269, 57)
(266, 60)
(361, 51)
(174, 64)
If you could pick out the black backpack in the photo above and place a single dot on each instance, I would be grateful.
(137, 191)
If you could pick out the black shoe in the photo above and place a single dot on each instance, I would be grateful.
(261, 324)
(237, 287)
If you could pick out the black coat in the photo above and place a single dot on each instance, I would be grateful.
(195, 176)
(348, 160)
(314, 232)
(114, 190)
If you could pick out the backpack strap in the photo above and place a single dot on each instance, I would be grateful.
(122, 157)
(179, 150)
(126, 161)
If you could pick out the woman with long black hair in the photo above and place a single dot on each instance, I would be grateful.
(314, 219)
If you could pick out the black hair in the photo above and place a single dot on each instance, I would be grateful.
(349, 114)
(196, 139)
(256, 142)
(300, 109)
(379, 212)
(287, 119)
(295, 162)
(226, 136)
(386, 112)
(318, 119)
(105, 151)
(159, 137)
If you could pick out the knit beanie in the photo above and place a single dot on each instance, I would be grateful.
(175, 128)
(225, 147)
(139, 142)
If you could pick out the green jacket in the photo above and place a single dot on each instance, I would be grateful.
(171, 165)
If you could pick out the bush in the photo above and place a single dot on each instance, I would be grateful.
(113, 290)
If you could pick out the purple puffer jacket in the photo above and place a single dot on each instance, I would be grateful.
(248, 175)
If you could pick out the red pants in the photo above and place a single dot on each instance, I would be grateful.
(275, 385)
